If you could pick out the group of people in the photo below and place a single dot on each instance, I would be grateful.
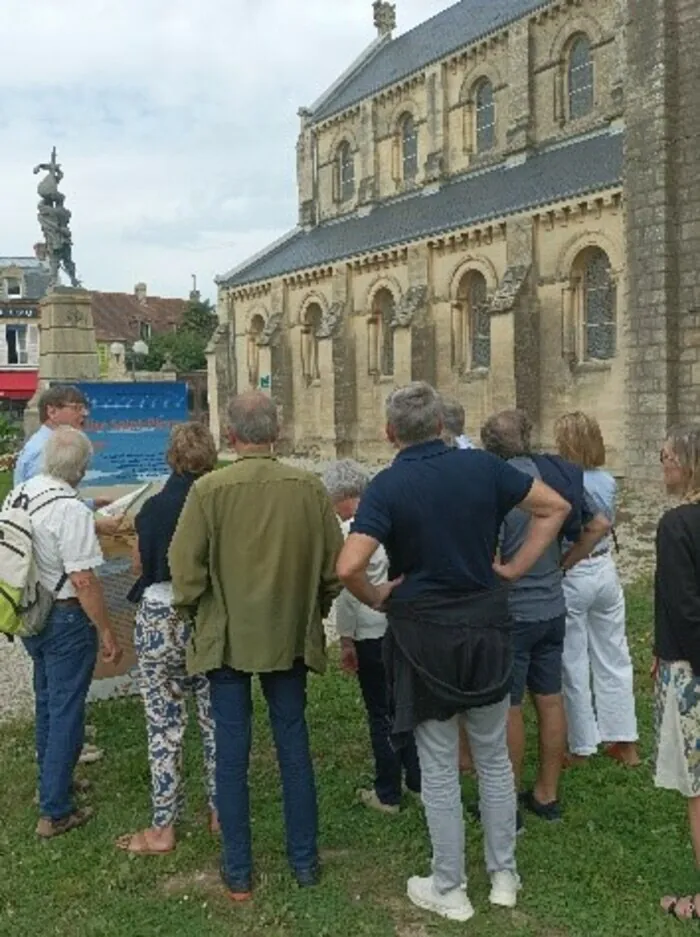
(462, 578)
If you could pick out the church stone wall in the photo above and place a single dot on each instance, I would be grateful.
(527, 67)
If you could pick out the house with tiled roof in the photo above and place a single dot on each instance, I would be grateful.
(127, 317)
(460, 221)
(23, 281)
(118, 317)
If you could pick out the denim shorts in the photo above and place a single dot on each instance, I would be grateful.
(537, 655)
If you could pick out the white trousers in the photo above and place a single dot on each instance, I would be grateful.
(596, 645)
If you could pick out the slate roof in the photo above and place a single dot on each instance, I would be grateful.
(458, 26)
(36, 275)
(117, 316)
(587, 164)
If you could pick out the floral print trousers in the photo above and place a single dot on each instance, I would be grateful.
(677, 718)
(160, 639)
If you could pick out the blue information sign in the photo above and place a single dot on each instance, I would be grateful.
(129, 426)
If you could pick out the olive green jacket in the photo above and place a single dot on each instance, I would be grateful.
(255, 552)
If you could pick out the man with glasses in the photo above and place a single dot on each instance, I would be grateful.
(61, 405)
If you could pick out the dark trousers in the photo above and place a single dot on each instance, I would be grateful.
(389, 765)
(64, 656)
(285, 694)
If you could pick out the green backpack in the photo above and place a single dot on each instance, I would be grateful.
(24, 603)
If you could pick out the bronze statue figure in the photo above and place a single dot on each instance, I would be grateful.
(54, 219)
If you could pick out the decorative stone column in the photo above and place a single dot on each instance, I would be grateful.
(68, 350)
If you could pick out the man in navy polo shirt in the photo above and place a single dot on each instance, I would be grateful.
(437, 511)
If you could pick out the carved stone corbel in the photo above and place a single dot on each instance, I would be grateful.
(414, 301)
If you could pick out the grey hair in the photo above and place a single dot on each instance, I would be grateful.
(67, 454)
(345, 479)
(414, 412)
(253, 418)
(453, 417)
(507, 434)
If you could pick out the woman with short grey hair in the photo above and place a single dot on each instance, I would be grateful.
(361, 631)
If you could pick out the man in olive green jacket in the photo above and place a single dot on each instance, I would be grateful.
(254, 557)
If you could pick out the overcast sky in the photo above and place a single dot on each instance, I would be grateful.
(175, 123)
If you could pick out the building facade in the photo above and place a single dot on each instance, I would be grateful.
(23, 281)
(462, 220)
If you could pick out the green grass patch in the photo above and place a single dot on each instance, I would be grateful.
(598, 874)
(5, 484)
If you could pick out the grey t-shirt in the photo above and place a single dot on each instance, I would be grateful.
(538, 596)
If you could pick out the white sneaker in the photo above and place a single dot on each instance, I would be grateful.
(454, 905)
(368, 798)
(504, 889)
(90, 754)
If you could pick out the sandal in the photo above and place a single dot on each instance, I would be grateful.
(47, 828)
(139, 844)
(691, 912)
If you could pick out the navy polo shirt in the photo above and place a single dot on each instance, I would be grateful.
(438, 511)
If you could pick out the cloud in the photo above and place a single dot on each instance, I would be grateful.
(175, 124)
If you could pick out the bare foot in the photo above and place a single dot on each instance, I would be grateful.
(573, 761)
(151, 842)
(624, 752)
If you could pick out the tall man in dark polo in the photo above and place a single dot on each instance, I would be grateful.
(254, 553)
(437, 511)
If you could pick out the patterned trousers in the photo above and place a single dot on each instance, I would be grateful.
(160, 639)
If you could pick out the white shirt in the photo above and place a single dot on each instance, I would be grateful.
(65, 540)
(463, 442)
(353, 618)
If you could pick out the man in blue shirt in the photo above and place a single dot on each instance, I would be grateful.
(60, 405)
(438, 511)
(538, 609)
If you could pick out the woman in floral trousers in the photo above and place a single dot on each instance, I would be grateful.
(160, 640)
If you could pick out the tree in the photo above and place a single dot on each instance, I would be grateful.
(186, 346)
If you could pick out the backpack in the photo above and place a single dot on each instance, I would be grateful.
(567, 480)
(24, 602)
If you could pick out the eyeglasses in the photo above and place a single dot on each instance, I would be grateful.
(78, 407)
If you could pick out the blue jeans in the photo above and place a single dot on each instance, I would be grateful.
(389, 765)
(285, 694)
(64, 656)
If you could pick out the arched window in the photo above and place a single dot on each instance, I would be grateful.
(476, 328)
(309, 342)
(580, 78)
(409, 148)
(257, 324)
(346, 172)
(597, 303)
(383, 307)
(485, 122)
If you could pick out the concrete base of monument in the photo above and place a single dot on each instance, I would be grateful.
(107, 688)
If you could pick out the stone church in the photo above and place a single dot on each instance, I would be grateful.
(474, 197)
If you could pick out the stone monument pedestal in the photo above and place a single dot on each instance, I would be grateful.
(68, 350)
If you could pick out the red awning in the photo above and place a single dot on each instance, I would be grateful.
(18, 385)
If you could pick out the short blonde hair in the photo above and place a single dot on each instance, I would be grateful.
(579, 439)
(192, 449)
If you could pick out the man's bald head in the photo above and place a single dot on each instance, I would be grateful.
(253, 419)
(507, 434)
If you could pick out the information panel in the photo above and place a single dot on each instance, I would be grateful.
(129, 426)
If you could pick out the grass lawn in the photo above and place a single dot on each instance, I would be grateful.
(598, 874)
(5, 484)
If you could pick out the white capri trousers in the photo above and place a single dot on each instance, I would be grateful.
(596, 647)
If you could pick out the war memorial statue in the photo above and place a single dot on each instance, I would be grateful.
(54, 219)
